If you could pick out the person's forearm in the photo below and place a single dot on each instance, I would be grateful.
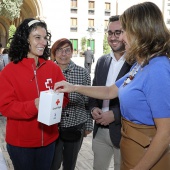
(98, 92)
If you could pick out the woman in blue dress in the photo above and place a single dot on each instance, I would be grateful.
(144, 92)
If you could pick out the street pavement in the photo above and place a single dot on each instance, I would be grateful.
(85, 157)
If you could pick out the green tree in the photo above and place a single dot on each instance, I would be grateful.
(106, 47)
(83, 43)
(12, 30)
(10, 8)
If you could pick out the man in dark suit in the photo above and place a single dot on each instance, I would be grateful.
(89, 58)
(106, 113)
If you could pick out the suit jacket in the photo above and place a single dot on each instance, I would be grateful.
(101, 72)
(89, 57)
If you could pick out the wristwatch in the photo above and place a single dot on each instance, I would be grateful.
(92, 109)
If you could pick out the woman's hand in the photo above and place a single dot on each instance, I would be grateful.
(36, 101)
(87, 132)
(64, 86)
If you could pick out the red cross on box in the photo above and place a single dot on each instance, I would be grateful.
(58, 101)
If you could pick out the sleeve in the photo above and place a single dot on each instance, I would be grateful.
(10, 106)
(157, 91)
(92, 101)
(117, 114)
(89, 122)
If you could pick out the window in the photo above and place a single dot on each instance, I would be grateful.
(91, 30)
(75, 47)
(91, 4)
(73, 3)
(73, 21)
(91, 22)
(107, 6)
(73, 24)
(73, 6)
(107, 9)
(91, 10)
(91, 43)
(106, 22)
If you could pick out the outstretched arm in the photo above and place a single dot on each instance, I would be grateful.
(98, 92)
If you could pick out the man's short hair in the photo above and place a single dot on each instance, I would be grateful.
(114, 18)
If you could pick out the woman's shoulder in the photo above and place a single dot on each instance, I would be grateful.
(158, 65)
(79, 68)
(159, 60)
(82, 71)
(52, 64)
(49, 61)
(10, 66)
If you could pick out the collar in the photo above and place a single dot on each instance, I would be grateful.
(30, 61)
(113, 56)
(70, 67)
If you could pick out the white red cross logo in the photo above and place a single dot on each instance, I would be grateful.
(49, 84)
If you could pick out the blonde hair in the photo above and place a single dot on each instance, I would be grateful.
(146, 31)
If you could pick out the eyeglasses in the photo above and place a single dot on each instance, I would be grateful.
(61, 50)
(116, 33)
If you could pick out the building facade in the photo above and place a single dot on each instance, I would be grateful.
(78, 20)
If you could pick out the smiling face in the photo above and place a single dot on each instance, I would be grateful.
(63, 55)
(37, 42)
(114, 32)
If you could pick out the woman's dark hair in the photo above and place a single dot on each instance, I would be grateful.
(114, 18)
(19, 45)
(58, 44)
(5, 51)
(147, 32)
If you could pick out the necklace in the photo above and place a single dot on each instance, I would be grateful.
(132, 74)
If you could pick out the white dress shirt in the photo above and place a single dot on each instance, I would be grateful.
(114, 69)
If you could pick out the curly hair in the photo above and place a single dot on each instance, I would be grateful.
(59, 43)
(19, 45)
(146, 32)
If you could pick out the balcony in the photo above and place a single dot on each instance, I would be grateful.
(91, 11)
(107, 12)
(73, 29)
(73, 9)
